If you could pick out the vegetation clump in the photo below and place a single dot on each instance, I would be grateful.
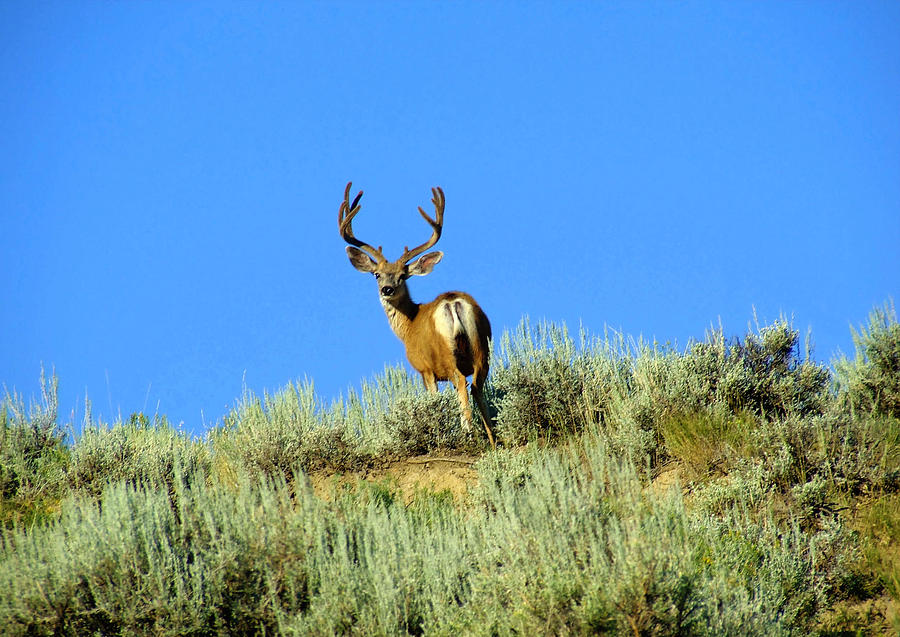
(735, 487)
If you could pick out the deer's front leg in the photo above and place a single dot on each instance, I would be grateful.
(430, 382)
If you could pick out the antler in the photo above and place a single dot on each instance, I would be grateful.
(345, 224)
(436, 225)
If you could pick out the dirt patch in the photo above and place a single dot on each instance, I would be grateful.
(667, 478)
(453, 473)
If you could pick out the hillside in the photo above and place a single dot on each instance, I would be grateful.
(735, 487)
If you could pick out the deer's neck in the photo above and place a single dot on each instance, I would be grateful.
(401, 313)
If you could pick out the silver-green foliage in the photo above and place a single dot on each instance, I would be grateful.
(389, 417)
(544, 385)
(764, 373)
(143, 560)
(871, 381)
(137, 451)
(33, 456)
(563, 542)
(163, 534)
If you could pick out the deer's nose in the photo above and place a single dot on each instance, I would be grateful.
(387, 290)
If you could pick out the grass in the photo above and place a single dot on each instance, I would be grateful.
(878, 523)
(786, 518)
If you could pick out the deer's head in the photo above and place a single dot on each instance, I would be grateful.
(391, 276)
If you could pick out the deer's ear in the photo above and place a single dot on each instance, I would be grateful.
(360, 260)
(425, 264)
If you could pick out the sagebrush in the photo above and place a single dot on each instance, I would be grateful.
(781, 518)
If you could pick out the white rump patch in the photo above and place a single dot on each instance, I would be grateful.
(455, 317)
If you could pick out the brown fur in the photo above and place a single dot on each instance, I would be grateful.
(451, 348)
(431, 355)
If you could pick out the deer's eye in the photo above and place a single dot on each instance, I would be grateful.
(377, 275)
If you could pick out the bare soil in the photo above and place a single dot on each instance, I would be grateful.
(451, 472)
(440, 472)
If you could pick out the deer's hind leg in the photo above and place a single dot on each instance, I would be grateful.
(462, 390)
(477, 383)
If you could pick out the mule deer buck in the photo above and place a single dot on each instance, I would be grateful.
(446, 339)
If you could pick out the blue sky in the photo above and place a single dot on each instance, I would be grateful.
(170, 176)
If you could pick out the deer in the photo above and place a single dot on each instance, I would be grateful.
(446, 339)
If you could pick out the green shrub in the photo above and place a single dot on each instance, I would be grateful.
(138, 561)
(565, 541)
(544, 387)
(273, 435)
(879, 525)
(708, 441)
(151, 532)
(392, 416)
(137, 452)
(426, 423)
(764, 375)
(535, 386)
(871, 381)
(33, 457)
